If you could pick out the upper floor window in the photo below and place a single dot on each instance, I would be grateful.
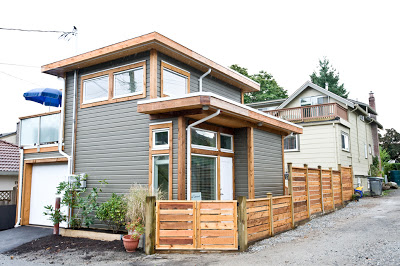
(129, 82)
(174, 81)
(313, 100)
(291, 143)
(114, 85)
(95, 89)
(345, 142)
(40, 130)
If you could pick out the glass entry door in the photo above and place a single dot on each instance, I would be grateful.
(204, 177)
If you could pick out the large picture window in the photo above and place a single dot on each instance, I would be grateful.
(204, 139)
(204, 177)
(175, 81)
(291, 143)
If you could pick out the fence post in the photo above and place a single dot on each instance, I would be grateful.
(290, 179)
(322, 189)
(333, 193)
(14, 194)
(307, 191)
(341, 182)
(271, 214)
(242, 223)
(150, 225)
(56, 228)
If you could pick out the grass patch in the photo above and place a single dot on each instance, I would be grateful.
(386, 192)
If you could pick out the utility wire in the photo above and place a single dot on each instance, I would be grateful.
(64, 34)
(21, 79)
(9, 64)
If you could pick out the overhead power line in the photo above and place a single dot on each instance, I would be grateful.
(9, 64)
(64, 34)
(20, 79)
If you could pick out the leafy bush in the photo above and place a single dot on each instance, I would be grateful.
(112, 212)
(390, 167)
(56, 216)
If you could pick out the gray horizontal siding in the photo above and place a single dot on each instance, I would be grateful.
(241, 173)
(210, 84)
(267, 164)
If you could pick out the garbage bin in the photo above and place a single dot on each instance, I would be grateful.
(395, 176)
(375, 186)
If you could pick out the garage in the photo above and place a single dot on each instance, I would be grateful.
(44, 180)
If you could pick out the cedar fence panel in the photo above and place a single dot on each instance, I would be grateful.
(314, 182)
(347, 180)
(282, 217)
(337, 188)
(300, 198)
(327, 190)
(258, 219)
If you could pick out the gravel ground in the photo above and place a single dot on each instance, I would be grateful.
(363, 233)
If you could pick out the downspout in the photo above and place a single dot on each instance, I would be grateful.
(201, 80)
(21, 168)
(188, 151)
(73, 123)
(61, 130)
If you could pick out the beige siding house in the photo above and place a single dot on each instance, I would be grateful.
(335, 130)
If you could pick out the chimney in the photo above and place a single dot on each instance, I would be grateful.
(374, 128)
(372, 100)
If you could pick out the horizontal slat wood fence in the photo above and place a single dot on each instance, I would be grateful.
(196, 225)
(227, 225)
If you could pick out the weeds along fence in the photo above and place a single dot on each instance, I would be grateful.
(232, 225)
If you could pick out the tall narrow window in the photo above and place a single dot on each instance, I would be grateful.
(291, 143)
(204, 177)
(175, 81)
(345, 142)
(129, 82)
(161, 174)
(370, 149)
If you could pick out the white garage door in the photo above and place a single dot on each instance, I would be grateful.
(45, 179)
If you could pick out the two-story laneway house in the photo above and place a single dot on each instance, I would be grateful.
(150, 111)
(336, 130)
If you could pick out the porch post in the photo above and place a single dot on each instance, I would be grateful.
(150, 225)
(181, 157)
(250, 162)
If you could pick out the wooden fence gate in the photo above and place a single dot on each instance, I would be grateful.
(196, 225)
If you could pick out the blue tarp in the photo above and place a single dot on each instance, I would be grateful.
(45, 96)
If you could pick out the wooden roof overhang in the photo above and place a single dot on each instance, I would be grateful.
(233, 115)
(147, 42)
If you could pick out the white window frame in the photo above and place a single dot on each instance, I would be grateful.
(226, 135)
(160, 147)
(189, 183)
(311, 99)
(84, 101)
(297, 143)
(129, 94)
(348, 141)
(365, 151)
(196, 146)
(152, 174)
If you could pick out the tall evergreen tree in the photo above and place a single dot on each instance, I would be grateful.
(269, 88)
(327, 74)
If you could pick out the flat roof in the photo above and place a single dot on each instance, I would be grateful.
(147, 42)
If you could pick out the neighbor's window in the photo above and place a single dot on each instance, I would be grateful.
(95, 89)
(365, 151)
(345, 141)
(204, 139)
(370, 148)
(175, 81)
(313, 100)
(291, 143)
(161, 174)
(129, 82)
(160, 139)
(226, 142)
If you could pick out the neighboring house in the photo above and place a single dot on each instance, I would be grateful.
(336, 130)
(128, 108)
(9, 165)
(9, 137)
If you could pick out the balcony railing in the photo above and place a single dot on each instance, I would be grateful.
(40, 129)
(311, 113)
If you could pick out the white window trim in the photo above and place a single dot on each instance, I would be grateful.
(160, 147)
(176, 67)
(128, 94)
(317, 97)
(84, 101)
(227, 150)
(348, 141)
(152, 170)
(196, 146)
(297, 144)
(189, 183)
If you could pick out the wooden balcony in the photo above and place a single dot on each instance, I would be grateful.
(311, 113)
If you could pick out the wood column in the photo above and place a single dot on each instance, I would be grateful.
(290, 179)
(341, 182)
(250, 162)
(181, 157)
(150, 226)
(153, 74)
(242, 223)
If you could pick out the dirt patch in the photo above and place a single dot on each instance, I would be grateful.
(54, 244)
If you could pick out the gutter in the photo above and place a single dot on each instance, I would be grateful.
(188, 151)
(201, 80)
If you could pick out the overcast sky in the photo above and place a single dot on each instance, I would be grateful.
(285, 38)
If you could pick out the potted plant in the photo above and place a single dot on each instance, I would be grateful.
(131, 240)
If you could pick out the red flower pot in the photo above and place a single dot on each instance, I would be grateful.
(129, 243)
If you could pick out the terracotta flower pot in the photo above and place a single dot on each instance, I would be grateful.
(129, 243)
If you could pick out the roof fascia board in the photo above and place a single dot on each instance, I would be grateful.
(318, 88)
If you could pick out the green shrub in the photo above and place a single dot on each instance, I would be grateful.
(112, 212)
(390, 166)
